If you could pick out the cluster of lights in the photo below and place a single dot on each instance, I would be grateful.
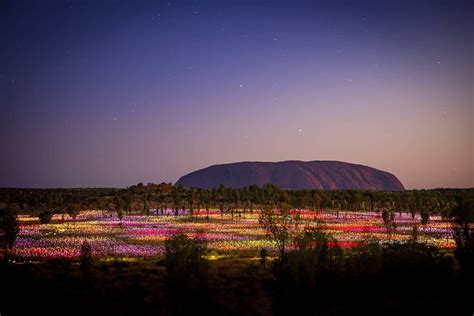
(142, 235)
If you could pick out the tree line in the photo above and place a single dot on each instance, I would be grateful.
(142, 198)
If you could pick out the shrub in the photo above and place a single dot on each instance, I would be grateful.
(45, 217)
(86, 255)
(184, 259)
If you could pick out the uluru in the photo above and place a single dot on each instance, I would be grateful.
(293, 174)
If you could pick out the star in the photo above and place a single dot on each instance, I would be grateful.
(241, 86)
(300, 130)
(115, 118)
(439, 62)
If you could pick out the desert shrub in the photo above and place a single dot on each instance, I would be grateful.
(366, 260)
(317, 256)
(186, 274)
(184, 258)
(45, 217)
(263, 256)
(463, 233)
(307, 272)
(86, 255)
(9, 226)
(410, 256)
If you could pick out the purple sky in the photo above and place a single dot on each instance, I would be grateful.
(110, 93)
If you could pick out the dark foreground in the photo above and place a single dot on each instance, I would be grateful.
(394, 280)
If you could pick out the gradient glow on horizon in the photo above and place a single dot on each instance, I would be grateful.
(103, 93)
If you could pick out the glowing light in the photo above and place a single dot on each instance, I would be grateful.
(144, 236)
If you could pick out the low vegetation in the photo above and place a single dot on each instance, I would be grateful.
(310, 273)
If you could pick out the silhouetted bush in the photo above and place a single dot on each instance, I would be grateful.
(186, 274)
(263, 256)
(45, 217)
(463, 233)
(86, 255)
(9, 226)
(304, 273)
(184, 258)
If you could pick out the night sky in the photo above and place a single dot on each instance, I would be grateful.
(112, 93)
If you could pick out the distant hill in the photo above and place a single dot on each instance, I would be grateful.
(294, 174)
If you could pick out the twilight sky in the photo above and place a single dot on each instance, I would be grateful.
(111, 93)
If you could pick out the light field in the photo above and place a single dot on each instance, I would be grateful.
(144, 236)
